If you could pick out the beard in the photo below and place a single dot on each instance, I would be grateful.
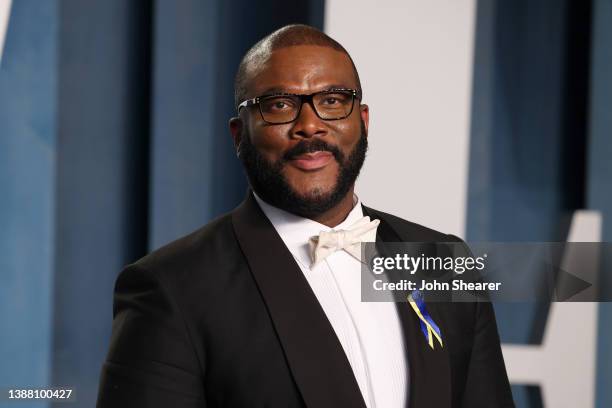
(267, 180)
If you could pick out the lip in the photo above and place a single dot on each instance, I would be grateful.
(312, 161)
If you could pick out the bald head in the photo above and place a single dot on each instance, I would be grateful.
(288, 36)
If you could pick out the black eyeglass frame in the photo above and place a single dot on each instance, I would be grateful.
(355, 93)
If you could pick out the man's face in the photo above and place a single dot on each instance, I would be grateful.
(309, 165)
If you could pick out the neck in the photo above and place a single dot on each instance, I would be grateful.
(337, 214)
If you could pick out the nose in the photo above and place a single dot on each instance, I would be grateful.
(308, 124)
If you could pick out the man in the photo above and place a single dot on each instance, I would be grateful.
(250, 311)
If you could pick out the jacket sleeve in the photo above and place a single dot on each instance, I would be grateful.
(151, 361)
(487, 381)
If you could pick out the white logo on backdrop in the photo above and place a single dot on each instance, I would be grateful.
(5, 12)
(564, 364)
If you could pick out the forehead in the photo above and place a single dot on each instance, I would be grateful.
(301, 69)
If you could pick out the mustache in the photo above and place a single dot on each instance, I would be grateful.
(314, 146)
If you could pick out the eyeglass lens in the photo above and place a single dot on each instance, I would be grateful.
(329, 105)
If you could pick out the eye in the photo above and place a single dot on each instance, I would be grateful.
(277, 104)
(334, 99)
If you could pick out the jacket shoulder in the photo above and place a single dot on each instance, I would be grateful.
(208, 244)
(411, 231)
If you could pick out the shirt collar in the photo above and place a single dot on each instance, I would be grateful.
(295, 231)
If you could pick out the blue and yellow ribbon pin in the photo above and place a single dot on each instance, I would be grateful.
(429, 328)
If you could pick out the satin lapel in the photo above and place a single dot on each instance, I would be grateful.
(314, 354)
(430, 377)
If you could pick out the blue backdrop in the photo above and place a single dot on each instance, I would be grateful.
(114, 141)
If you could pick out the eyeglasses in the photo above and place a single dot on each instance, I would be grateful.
(281, 108)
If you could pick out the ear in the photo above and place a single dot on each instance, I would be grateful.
(235, 126)
(364, 111)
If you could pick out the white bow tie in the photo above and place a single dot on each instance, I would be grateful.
(329, 242)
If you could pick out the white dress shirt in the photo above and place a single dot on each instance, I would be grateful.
(369, 332)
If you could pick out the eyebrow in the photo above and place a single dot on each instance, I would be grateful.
(276, 89)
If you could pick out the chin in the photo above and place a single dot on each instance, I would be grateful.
(313, 185)
(314, 192)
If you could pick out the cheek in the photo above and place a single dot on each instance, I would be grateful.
(269, 141)
(348, 135)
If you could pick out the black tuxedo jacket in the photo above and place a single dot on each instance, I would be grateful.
(224, 317)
